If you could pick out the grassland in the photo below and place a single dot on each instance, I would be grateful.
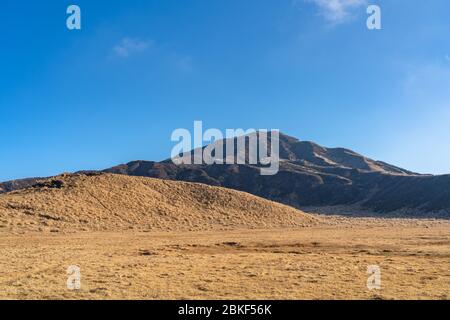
(322, 262)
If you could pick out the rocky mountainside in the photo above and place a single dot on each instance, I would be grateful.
(310, 175)
(17, 184)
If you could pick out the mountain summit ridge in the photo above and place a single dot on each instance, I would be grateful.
(309, 175)
(313, 175)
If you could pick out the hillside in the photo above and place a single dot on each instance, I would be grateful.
(310, 176)
(109, 202)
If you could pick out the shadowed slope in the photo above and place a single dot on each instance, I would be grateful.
(312, 175)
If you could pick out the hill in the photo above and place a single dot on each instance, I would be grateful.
(107, 202)
(310, 175)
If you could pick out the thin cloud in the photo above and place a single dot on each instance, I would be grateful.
(130, 46)
(337, 11)
(428, 84)
(183, 63)
(163, 53)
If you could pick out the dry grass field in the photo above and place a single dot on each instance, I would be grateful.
(133, 247)
(326, 262)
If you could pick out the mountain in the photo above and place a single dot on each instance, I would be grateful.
(310, 176)
(106, 202)
(17, 184)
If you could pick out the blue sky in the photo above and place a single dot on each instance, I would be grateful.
(115, 90)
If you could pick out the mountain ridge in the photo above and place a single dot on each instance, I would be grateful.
(309, 175)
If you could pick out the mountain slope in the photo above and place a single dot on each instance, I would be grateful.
(312, 175)
(116, 202)
(17, 184)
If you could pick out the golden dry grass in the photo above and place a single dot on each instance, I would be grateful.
(115, 202)
(310, 263)
(195, 242)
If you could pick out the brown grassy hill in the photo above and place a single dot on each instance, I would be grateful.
(116, 202)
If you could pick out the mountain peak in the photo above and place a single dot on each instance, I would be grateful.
(309, 175)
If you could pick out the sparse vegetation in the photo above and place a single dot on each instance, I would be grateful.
(142, 238)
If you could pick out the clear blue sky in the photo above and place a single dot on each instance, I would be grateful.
(114, 91)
